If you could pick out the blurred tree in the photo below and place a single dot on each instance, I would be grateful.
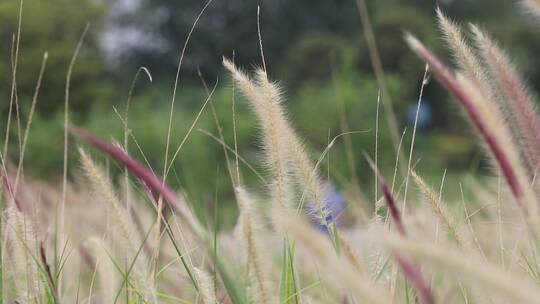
(52, 26)
(224, 27)
(151, 32)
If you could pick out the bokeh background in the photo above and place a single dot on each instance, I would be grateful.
(315, 49)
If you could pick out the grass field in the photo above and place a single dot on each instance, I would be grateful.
(96, 236)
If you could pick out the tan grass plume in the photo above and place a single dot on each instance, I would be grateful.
(490, 124)
(258, 271)
(532, 7)
(476, 271)
(439, 209)
(206, 286)
(517, 97)
(337, 271)
(103, 186)
(270, 119)
(303, 168)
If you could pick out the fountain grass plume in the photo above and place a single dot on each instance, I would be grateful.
(102, 185)
(439, 209)
(270, 118)
(258, 271)
(532, 7)
(23, 268)
(350, 253)
(145, 175)
(206, 289)
(96, 254)
(465, 57)
(463, 54)
(161, 189)
(467, 267)
(490, 125)
(303, 169)
(285, 152)
(517, 97)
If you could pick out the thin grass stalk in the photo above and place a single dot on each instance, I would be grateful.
(235, 179)
(344, 125)
(15, 60)
(175, 88)
(29, 122)
(425, 81)
(61, 208)
(378, 69)
(126, 126)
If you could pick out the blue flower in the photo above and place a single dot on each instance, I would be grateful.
(425, 116)
(334, 204)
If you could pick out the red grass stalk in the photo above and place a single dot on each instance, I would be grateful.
(10, 192)
(157, 187)
(519, 99)
(48, 273)
(448, 80)
(86, 257)
(411, 271)
(391, 202)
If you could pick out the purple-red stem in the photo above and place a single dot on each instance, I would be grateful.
(410, 270)
(414, 274)
(394, 212)
(9, 188)
(48, 272)
(156, 186)
(444, 75)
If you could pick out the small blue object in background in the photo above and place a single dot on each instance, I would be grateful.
(425, 115)
(334, 204)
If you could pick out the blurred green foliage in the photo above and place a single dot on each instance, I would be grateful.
(305, 42)
(52, 26)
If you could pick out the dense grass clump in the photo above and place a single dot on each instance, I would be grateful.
(138, 240)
